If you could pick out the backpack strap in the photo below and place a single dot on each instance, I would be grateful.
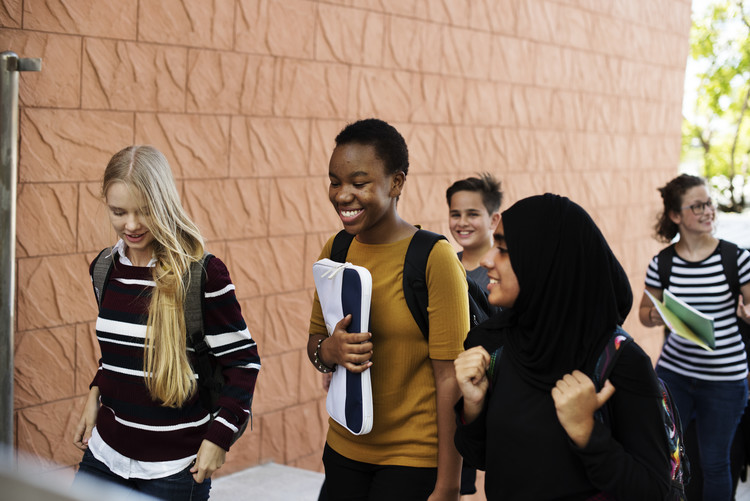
(728, 252)
(492, 368)
(340, 248)
(664, 263)
(415, 270)
(194, 283)
(606, 363)
(102, 270)
(415, 276)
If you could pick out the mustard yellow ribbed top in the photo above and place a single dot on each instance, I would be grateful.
(404, 424)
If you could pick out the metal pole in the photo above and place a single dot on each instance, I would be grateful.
(10, 65)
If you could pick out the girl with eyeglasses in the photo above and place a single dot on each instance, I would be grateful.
(709, 387)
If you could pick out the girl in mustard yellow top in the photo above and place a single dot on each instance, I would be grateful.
(409, 454)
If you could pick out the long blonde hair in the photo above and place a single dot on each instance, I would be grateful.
(177, 242)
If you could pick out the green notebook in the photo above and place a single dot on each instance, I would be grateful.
(685, 321)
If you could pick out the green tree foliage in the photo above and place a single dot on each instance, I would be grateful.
(718, 132)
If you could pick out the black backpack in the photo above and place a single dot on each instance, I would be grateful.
(672, 425)
(673, 433)
(415, 281)
(728, 251)
(210, 377)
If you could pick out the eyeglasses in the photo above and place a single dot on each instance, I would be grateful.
(699, 208)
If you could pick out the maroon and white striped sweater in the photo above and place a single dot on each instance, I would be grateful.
(129, 420)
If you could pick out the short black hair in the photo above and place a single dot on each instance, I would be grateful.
(389, 144)
(486, 185)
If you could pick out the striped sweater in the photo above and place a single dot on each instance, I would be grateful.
(129, 420)
(704, 286)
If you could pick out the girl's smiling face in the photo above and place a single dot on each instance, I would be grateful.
(129, 219)
(687, 220)
(362, 192)
(503, 287)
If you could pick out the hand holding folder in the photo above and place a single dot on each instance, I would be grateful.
(685, 321)
(344, 289)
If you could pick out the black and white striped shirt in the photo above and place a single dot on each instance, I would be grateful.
(704, 286)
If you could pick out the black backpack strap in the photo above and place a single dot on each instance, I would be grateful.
(415, 276)
(606, 363)
(194, 282)
(665, 265)
(102, 270)
(728, 252)
(340, 248)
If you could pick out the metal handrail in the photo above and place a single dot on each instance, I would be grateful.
(10, 65)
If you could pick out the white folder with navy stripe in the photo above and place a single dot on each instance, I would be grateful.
(344, 288)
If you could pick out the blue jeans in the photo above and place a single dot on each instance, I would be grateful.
(177, 487)
(717, 408)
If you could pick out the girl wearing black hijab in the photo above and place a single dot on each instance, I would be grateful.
(564, 293)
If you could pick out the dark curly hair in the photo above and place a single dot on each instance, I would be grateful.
(671, 195)
(389, 144)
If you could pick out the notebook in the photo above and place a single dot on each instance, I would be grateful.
(344, 288)
(685, 321)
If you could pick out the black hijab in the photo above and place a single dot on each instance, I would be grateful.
(573, 291)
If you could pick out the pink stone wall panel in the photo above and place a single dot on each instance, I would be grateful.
(310, 89)
(187, 22)
(379, 93)
(272, 446)
(322, 143)
(58, 84)
(435, 98)
(245, 98)
(45, 364)
(11, 13)
(513, 59)
(287, 317)
(352, 36)
(133, 76)
(310, 380)
(53, 291)
(298, 422)
(411, 44)
(49, 206)
(229, 83)
(278, 387)
(300, 203)
(94, 230)
(70, 145)
(196, 146)
(270, 147)
(45, 432)
(466, 53)
(228, 208)
(314, 243)
(265, 266)
(276, 27)
(103, 18)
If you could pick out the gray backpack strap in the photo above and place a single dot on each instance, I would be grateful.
(102, 270)
(193, 306)
(208, 386)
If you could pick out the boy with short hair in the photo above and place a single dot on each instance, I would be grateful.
(474, 205)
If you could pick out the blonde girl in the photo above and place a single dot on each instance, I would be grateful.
(143, 425)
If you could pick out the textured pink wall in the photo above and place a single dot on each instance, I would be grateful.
(579, 97)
